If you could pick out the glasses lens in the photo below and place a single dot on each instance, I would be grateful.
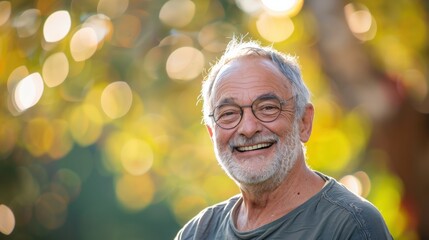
(227, 116)
(267, 110)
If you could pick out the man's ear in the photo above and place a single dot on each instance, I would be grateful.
(210, 130)
(306, 123)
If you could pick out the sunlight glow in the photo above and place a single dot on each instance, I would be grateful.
(185, 63)
(135, 192)
(136, 157)
(116, 99)
(274, 29)
(249, 6)
(360, 21)
(83, 44)
(365, 182)
(352, 183)
(55, 69)
(177, 13)
(28, 91)
(283, 8)
(5, 11)
(57, 26)
(7, 220)
(336, 147)
(101, 24)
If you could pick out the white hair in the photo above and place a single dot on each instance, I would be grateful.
(237, 48)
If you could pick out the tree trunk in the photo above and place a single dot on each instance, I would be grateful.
(400, 130)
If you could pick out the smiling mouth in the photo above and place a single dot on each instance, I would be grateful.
(254, 147)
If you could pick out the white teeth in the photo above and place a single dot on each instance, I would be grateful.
(254, 147)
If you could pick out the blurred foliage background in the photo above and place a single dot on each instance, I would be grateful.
(100, 127)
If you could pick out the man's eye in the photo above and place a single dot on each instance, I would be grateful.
(268, 108)
(228, 114)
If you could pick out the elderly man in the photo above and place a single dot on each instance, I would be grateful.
(258, 113)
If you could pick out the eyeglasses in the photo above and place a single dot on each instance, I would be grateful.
(265, 109)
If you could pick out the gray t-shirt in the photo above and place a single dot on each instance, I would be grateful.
(333, 213)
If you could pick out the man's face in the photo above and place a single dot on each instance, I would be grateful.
(255, 151)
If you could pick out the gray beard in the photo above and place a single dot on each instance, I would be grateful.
(272, 175)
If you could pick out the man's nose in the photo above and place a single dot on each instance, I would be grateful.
(249, 124)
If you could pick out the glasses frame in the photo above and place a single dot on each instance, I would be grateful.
(281, 101)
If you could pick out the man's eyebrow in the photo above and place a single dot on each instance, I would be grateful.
(269, 95)
(224, 101)
(265, 96)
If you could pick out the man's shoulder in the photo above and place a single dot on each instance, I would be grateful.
(340, 196)
(208, 220)
(357, 209)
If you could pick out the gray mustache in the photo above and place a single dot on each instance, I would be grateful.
(244, 141)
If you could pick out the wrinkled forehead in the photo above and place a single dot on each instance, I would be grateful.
(245, 63)
(247, 74)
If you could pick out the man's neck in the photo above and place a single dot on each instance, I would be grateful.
(261, 207)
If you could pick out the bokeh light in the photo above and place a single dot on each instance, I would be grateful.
(7, 220)
(365, 183)
(249, 6)
(57, 26)
(5, 11)
(113, 146)
(352, 183)
(273, 28)
(28, 23)
(55, 69)
(185, 63)
(102, 26)
(136, 157)
(28, 91)
(135, 192)
(389, 187)
(177, 13)
(116, 99)
(15, 76)
(283, 8)
(83, 44)
(360, 21)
